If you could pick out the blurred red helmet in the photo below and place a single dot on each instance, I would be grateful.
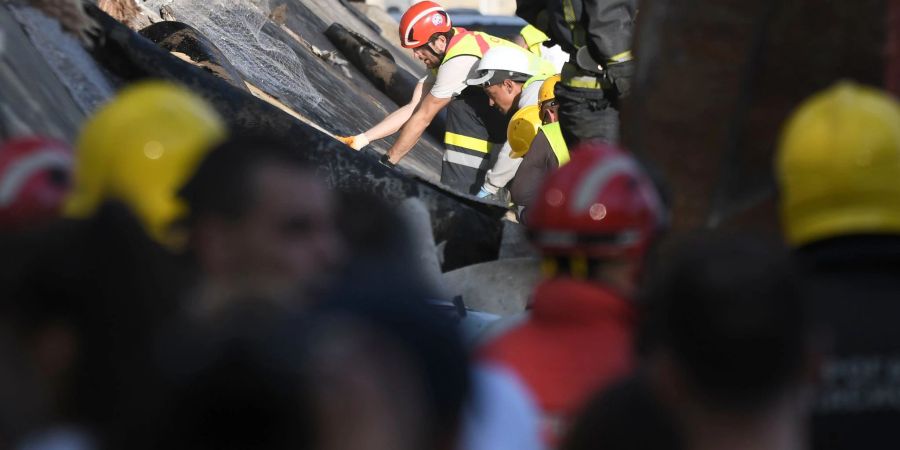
(599, 205)
(420, 22)
(35, 177)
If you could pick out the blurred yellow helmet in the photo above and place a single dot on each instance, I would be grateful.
(522, 129)
(838, 165)
(139, 149)
(546, 91)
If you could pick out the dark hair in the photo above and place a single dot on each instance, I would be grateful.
(223, 184)
(730, 311)
(625, 416)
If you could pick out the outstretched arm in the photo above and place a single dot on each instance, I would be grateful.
(390, 124)
(415, 126)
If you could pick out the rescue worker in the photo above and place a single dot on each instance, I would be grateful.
(546, 152)
(537, 42)
(35, 175)
(138, 150)
(451, 54)
(598, 37)
(261, 226)
(593, 223)
(98, 283)
(511, 80)
(838, 166)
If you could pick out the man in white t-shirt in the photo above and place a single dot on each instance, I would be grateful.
(473, 125)
(512, 80)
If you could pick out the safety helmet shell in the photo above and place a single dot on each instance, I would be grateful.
(838, 165)
(140, 148)
(547, 89)
(421, 21)
(35, 176)
(599, 205)
(522, 128)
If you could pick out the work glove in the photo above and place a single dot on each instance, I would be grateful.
(355, 142)
(483, 193)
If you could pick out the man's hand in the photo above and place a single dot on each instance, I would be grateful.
(356, 142)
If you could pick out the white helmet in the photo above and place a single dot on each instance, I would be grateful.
(514, 61)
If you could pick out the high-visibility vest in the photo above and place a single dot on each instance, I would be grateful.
(554, 135)
(474, 43)
(533, 38)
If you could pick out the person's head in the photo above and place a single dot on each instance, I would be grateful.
(522, 128)
(502, 72)
(426, 29)
(261, 223)
(837, 165)
(35, 176)
(725, 329)
(393, 366)
(596, 217)
(625, 416)
(547, 100)
(138, 149)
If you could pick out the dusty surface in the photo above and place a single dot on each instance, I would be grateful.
(501, 287)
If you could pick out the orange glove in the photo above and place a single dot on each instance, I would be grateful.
(356, 142)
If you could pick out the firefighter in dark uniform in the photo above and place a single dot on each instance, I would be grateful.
(597, 34)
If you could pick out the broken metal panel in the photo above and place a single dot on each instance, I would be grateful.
(328, 12)
(183, 38)
(470, 227)
(717, 78)
(302, 70)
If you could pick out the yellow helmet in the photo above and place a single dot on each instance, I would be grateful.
(838, 165)
(140, 148)
(522, 129)
(546, 91)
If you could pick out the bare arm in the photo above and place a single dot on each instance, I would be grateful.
(390, 124)
(415, 126)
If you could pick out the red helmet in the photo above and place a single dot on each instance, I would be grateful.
(599, 205)
(420, 22)
(35, 176)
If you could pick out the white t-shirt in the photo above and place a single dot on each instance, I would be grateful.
(505, 167)
(451, 76)
(555, 55)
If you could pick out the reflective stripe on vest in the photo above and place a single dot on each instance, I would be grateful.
(467, 142)
(554, 135)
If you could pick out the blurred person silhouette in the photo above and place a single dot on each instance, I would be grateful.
(85, 296)
(242, 384)
(381, 258)
(838, 165)
(261, 225)
(730, 349)
(392, 366)
(593, 222)
(626, 416)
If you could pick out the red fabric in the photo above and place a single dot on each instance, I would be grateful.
(578, 340)
(892, 52)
